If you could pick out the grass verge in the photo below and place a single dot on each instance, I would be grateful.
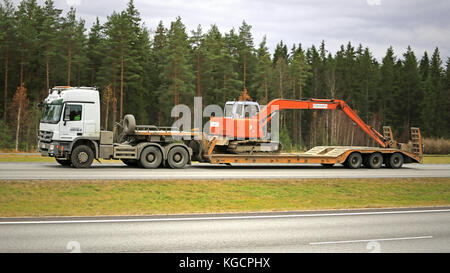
(436, 159)
(140, 197)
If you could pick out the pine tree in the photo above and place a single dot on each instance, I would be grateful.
(247, 59)
(196, 41)
(263, 74)
(410, 88)
(424, 66)
(300, 72)
(157, 65)
(432, 118)
(48, 36)
(73, 42)
(27, 34)
(386, 97)
(177, 75)
(7, 39)
(95, 51)
(446, 98)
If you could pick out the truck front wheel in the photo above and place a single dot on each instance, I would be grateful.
(82, 156)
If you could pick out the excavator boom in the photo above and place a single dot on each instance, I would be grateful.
(251, 127)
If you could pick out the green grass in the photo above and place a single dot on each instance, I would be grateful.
(89, 198)
(436, 159)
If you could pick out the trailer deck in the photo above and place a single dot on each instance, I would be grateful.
(327, 155)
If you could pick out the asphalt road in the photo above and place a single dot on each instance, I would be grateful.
(208, 171)
(411, 230)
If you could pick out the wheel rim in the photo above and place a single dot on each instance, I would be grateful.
(83, 157)
(177, 157)
(396, 160)
(376, 160)
(151, 157)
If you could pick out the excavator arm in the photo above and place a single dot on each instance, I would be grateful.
(266, 114)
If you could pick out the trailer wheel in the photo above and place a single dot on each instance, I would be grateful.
(395, 161)
(177, 157)
(63, 162)
(82, 157)
(373, 161)
(151, 157)
(354, 161)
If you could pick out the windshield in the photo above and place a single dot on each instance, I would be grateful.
(228, 110)
(52, 113)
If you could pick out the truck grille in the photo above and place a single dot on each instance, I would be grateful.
(45, 136)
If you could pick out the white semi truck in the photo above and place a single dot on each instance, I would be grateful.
(69, 130)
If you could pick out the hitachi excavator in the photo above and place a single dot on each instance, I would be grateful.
(239, 137)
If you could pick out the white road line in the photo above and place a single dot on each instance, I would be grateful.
(138, 220)
(372, 240)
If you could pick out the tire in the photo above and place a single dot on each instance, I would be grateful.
(82, 157)
(151, 157)
(130, 162)
(327, 165)
(373, 161)
(64, 162)
(395, 161)
(177, 157)
(129, 124)
(354, 161)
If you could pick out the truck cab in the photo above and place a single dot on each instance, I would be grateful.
(69, 131)
(70, 115)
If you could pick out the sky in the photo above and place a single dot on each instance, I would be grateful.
(377, 24)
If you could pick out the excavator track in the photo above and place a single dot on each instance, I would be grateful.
(253, 147)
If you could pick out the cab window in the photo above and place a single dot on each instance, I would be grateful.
(72, 113)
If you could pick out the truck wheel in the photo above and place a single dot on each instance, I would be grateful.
(177, 157)
(63, 162)
(130, 162)
(129, 124)
(82, 156)
(151, 157)
(373, 161)
(395, 161)
(354, 161)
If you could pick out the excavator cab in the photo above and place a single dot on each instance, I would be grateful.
(241, 109)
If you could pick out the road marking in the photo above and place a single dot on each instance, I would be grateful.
(249, 217)
(372, 240)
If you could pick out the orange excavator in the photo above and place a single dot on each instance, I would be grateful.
(240, 137)
(245, 120)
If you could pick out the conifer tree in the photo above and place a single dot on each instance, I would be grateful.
(177, 74)
(7, 39)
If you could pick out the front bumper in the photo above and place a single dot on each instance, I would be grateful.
(53, 149)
